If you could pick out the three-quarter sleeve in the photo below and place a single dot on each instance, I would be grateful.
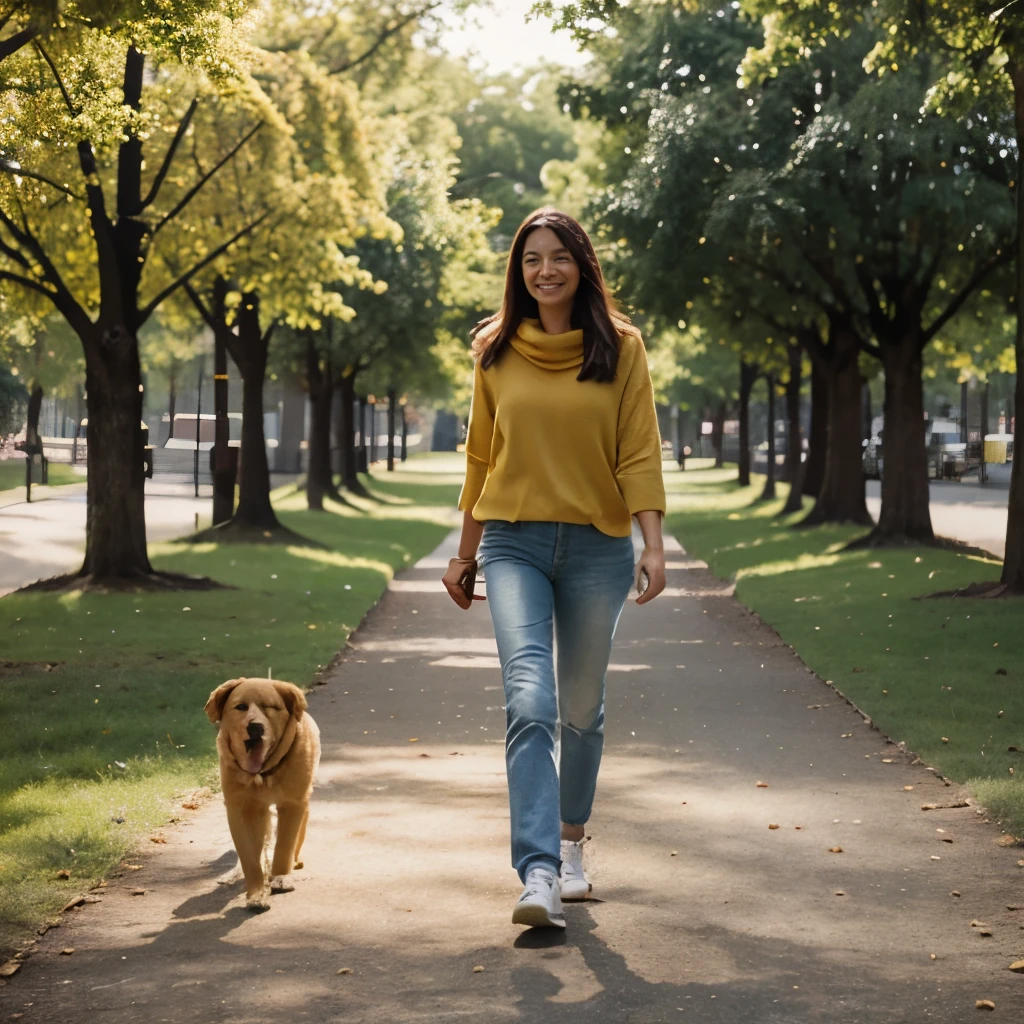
(478, 441)
(638, 462)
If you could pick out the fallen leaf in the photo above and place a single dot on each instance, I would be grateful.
(76, 902)
(191, 805)
(1014, 906)
(955, 893)
(1017, 965)
(839, 892)
(835, 849)
(414, 739)
(138, 892)
(935, 856)
(762, 785)
(945, 739)
(64, 874)
(977, 924)
(10, 968)
(344, 970)
(908, 789)
(133, 867)
(158, 839)
(932, 956)
(478, 969)
(1006, 841)
(886, 760)
(985, 933)
(1020, 863)
(773, 826)
(674, 853)
(946, 840)
(984, 1004)
(68, 951)
(929, 807)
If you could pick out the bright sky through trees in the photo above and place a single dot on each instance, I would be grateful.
(500, 38)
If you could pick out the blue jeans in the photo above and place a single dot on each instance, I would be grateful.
(547, 580)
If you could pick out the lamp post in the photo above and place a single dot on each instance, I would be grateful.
(405, 428)
(371, 401)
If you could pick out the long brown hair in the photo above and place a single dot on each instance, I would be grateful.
(593, 307)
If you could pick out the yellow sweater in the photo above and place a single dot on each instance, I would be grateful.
(543, 446)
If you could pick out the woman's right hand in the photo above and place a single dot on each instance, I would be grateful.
(456, 570)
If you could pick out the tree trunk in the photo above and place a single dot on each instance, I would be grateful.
(1013, 560)
(319, 478)
(718, 434)
(817, 442)
(115, 545)
(905, 516)
(768, 494)
(841, 498)
(249, 350)
(349, 463)
(794, 435)
(748, 378)
(405, 435)
(392, 402)
(35, 405)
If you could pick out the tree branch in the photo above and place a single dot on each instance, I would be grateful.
(12, 44)
(7, 168)
(385, 34)
(190, 194)
(27, 282)
(186, 120)
(60, 82)
(204, 311)
(149, 309)
(1000, 259)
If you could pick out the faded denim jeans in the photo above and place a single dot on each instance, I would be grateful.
(548, 581)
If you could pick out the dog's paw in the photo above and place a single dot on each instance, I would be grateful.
(298, 866)
(257, 903)
(281, 883)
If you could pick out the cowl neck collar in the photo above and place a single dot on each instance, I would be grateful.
(548, 351)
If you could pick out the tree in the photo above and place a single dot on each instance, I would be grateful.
(981, 48)
(308, 182)
(79, 222)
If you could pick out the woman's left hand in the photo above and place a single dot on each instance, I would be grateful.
(652, 565)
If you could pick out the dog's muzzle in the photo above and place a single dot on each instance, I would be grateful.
(255, 731)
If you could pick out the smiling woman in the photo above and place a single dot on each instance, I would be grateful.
(562, 450)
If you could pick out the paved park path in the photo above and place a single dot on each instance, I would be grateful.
(703, 912)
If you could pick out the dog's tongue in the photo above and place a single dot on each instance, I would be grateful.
(254, 759)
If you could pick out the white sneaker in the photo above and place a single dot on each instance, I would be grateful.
(540, 906)
(574, 882)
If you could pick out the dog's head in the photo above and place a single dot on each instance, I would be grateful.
(255, 716)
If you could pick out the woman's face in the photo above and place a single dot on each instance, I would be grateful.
(551, 274)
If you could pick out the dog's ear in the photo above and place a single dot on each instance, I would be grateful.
(215, 705)
(294, 699)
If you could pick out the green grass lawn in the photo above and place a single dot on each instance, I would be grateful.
(944, 675)
(12, 475)
(103, 694)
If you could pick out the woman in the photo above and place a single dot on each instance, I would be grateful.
(563, 448)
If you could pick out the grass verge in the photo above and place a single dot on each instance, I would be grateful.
(12, 475)
(103, 693)
(945, 676)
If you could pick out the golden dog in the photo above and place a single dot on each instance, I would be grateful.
(269, 750)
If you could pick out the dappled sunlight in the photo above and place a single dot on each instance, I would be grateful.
(341, 561)
(799, 564)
